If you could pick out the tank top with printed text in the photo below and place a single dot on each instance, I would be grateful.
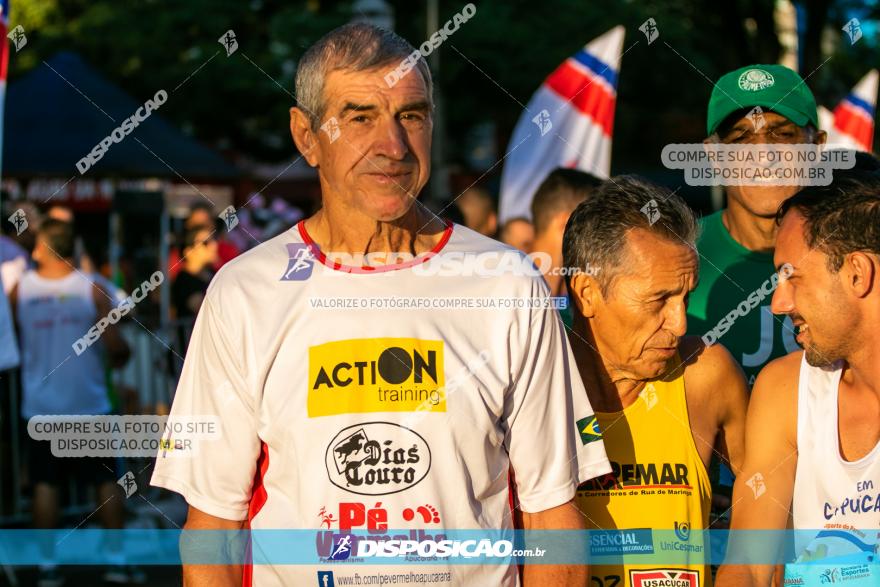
(659, 482)
(836, 503)
(61, 374)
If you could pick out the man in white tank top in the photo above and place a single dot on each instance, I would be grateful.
(813, 432)
(54, 306)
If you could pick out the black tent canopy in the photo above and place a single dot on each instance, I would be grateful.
(55, 115)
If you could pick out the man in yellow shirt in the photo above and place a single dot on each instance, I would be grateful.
(664, 402)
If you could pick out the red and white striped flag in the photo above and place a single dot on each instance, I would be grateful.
(567, 123)
(851, 125)
(4, 62)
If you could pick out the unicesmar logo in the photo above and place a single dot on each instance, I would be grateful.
(376, 375)
(377, 458)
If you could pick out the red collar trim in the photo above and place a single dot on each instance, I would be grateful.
(319, 255)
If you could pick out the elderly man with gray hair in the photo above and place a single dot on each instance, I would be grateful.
(348, 399)
(665, 403)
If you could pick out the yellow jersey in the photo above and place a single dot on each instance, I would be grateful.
(658, 482)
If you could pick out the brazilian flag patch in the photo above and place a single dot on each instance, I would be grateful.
(589, 429)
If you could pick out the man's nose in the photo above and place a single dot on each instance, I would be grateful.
(782, 301)
(676, 320)
(391, 141)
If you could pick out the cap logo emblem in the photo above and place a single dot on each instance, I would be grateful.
(753, 80)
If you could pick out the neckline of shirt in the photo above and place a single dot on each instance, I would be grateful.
(368, 269)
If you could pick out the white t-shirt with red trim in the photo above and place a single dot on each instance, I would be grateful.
(379, 418)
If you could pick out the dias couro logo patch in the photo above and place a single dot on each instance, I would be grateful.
(377, 458)
(376, 375)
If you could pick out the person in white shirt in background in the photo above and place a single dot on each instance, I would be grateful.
(55, 305)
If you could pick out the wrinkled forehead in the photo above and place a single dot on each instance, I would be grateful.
(658, 263)
(371, 87)
(647, 250)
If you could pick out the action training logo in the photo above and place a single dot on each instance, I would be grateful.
(665, 578)
(300, 263)
(376, 375)
(377, 458)
(754, 80)
(589, 430)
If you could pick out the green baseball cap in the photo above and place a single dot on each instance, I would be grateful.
(774, 87)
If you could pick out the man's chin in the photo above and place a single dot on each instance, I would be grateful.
(392, 208)
(765, 201)
(817, 357)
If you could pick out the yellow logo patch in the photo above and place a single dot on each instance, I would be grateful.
(376, 375)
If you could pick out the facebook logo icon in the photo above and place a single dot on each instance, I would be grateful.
(299, 267)
(325, 579)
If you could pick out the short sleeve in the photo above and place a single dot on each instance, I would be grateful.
(217, 477)
(549, 455)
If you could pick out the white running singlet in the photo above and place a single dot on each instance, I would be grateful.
(389, 417)
(838, 498)
(52, 314)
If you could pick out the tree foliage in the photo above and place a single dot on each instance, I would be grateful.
(488, 69)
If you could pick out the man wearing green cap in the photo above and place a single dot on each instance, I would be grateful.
(757, 104)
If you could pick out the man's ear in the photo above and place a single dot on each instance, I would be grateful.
(559, 222)
(305, 139)
(821, 137)
(584, 291)
(862, 269)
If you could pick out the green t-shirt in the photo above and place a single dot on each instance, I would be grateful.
(732, 301)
